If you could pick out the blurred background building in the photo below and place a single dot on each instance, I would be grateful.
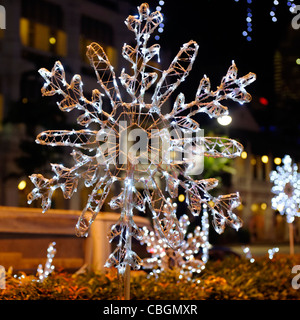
(39, 33)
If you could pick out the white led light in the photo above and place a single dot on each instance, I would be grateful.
(44, 273)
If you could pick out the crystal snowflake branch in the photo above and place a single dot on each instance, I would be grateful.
(55, 83)
(220, 207)
(208, 101)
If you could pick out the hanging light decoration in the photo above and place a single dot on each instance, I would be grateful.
(247, 33)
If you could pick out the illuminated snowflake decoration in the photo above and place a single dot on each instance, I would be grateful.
(286, 188)
(100, 153)
(164, 258)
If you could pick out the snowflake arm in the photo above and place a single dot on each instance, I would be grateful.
(65, 178)
(221, 207)
(222, 211)
(208, 101)
(85, 139)
(105, 72)
(221, 147)
(164, 216)
(176, 73)
(55, 83)
(94, 204)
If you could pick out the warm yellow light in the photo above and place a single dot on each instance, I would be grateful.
(240, 207)
(254, 206)
(225, 120)
(298, 61)
(211, 203)
(263, 206)
(265, 159)
(277, 161)
(244, 155)
(52, 40)
(22, 185)
(181, 198)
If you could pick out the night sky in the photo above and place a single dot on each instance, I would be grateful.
(217, 27)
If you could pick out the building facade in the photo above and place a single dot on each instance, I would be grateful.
(38, 33)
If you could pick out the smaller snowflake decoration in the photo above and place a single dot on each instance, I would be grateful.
(272, 251)
(248, 254)
(44, 273)
(163, 257)
(286, 188)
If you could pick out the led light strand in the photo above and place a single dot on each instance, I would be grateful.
(205, 229)
(247, 33)
(43, 273)
(161, 25)
(290, 4)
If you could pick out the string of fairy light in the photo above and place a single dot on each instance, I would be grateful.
(247, 32)
(161, 25)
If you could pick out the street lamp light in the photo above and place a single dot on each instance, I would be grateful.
(225, 120)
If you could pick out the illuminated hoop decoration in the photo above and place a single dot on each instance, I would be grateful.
(100, 163)
(286, 188)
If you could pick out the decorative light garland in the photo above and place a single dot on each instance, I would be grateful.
(290, 4)
(161, 25)
(248, 32)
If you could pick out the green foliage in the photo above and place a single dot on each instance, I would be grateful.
(232, 278)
